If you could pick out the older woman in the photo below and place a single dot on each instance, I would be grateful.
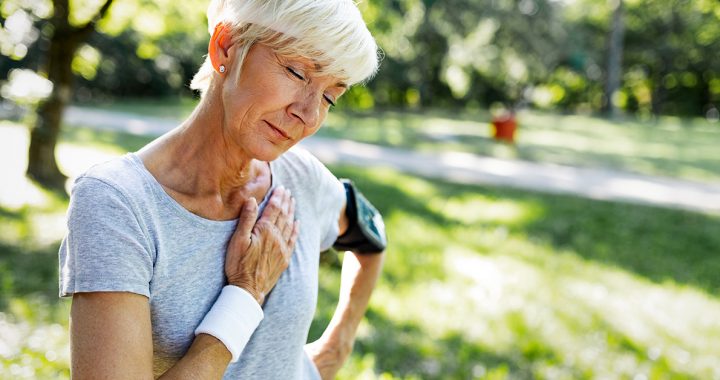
(171, 273)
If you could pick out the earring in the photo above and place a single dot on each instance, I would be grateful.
(222, 68)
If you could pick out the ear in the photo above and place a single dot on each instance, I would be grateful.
(220, 42)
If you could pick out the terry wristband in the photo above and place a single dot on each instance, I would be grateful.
(232, 319)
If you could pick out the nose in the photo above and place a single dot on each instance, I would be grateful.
(306, 109)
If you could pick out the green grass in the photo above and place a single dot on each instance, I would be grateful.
(480, 282)
(672, 147)
(174, 108)
(499, 283)
(668, 146)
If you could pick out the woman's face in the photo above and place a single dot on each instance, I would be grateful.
(275, 102)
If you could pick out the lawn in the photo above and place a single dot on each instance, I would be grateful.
(480, 282)
(668, 146)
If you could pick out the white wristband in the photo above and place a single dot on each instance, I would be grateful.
(232, 319)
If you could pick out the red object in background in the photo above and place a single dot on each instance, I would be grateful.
(504, 128)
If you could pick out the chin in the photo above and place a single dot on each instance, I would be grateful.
(270, 152)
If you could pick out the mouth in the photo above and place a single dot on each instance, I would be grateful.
(277, 130)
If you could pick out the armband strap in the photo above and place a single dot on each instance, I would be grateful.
(366, 229)
(232, 319)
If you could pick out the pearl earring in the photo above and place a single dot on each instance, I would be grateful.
(222, 68)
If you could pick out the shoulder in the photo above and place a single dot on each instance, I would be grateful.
(119, 172)
(306, 175)
(119, 176)
(112, 185)
(299, 158)
(300, 167)
(110, 201)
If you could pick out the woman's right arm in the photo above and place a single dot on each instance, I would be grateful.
(111, 338)
(111, 332)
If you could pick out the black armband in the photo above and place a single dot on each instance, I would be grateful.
(366, 229)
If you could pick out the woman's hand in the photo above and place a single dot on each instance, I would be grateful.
(259, 252)
(329, 354)
(357, 281)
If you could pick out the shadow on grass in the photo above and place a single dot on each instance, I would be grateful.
(656, 243)
(26, 270)
(10, 214)
(407, 350)
(399, 346)
(416, 254)
(659, 244)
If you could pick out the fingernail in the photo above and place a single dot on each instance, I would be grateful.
(289, 193)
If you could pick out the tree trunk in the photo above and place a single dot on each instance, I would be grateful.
(42, 165)
(614, 63)
(657, 96)
(426, 90)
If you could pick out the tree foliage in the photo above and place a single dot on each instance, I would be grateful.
(457, 53)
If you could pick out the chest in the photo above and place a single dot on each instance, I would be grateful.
(189, 274)
(224, 205)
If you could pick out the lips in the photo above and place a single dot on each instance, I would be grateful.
(278, 130)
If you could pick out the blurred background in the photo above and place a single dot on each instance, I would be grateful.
(581, 244)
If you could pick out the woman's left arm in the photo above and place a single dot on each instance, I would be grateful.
(359, 275)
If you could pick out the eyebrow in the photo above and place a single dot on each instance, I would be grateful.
(319, 67)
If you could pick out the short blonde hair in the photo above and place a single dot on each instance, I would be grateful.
(330, 32)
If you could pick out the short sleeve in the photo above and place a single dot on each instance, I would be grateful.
(331, 203)
(106, 248)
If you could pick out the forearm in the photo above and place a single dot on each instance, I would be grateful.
(358, 278)
(111, 338)
(221, 336)
(207, 358)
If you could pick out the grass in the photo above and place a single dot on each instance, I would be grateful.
(175, 108)
(480, 282)
(497, 283)
(668, 146)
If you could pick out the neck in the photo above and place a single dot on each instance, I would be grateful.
(199, 159)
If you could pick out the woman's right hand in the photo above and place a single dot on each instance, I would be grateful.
(259, 252)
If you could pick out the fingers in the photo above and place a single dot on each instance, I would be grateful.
(279, 217)
(246, 221)
(276, 205)
(286, 221)
(294, 235)
(287, 202)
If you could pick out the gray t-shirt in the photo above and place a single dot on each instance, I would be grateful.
(127, 234)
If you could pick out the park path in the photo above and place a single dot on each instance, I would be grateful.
(464, 168)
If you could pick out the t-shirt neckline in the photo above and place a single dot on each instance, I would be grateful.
(187, 214)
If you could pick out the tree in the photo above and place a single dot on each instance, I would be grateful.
(64, 42)
(671, 48)
(134, 40)
(614, 63)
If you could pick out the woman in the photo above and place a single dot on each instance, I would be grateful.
(171, 276)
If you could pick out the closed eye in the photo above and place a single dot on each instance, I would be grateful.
(329, 100)
(295, 73)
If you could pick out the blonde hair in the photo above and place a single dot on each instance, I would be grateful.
(332, 33)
